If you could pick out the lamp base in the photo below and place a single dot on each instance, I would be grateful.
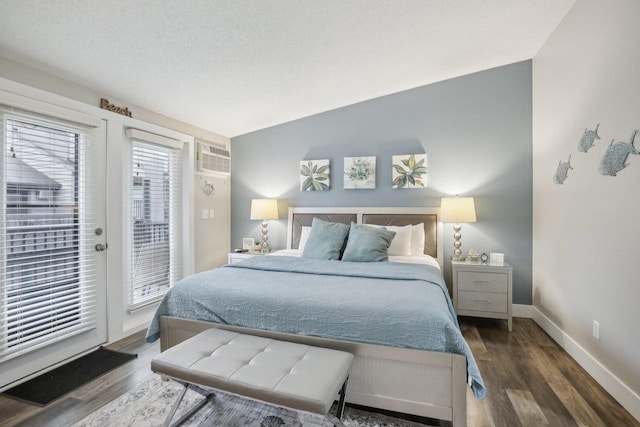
(265, 237)
(457, 253)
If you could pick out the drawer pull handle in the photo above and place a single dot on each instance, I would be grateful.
(482, 301)
(481, 282)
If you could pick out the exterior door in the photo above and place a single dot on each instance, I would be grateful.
(52, 242)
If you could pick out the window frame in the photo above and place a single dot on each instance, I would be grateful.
(182, 225)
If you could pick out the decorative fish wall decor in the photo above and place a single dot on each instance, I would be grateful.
(615, 158)
(561, 171)
(588, 137)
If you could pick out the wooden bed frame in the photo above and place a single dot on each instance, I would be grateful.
(424, 383)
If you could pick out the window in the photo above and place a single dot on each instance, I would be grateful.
(155, 217)
(47, 283)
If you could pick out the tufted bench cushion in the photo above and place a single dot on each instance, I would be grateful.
(282, 373)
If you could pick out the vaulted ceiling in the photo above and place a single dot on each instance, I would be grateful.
(235, 66)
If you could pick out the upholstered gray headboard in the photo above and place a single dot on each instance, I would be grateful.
(299, 217)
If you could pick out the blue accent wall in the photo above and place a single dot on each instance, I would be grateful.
(476, 131)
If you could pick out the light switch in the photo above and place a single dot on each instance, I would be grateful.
(212, 213)
(205, 213)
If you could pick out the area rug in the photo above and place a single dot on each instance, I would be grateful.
(56, 383)
(150, 403)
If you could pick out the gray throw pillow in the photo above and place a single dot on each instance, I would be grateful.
(326, 240)
(368, 244)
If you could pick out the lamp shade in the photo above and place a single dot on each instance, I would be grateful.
(457, 210)
(264, 209)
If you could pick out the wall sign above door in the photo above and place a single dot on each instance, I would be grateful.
(105, 104)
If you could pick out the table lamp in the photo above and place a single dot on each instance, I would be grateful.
(264, 209)
(457, 210)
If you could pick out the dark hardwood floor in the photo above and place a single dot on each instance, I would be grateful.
(530, 381)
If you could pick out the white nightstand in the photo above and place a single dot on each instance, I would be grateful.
(482, 290)
(239, 256)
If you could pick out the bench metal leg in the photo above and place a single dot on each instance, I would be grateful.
(341, 402)
(207, 397)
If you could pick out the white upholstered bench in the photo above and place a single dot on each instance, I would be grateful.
(282, 373)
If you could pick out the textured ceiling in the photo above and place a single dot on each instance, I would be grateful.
(235, 66)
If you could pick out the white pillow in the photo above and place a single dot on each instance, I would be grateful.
(304, 236)
(401, 243)
(417, 239)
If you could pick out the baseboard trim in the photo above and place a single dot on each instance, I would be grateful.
(612, 384)
(522, 310)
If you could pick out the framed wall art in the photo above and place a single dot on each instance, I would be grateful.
(315, 175)
(360, 172)
(409, 171)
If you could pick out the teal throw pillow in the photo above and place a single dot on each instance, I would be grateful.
(368, 244)
(326, 240)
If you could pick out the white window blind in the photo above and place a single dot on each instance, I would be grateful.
(47, 278)
(155, 218)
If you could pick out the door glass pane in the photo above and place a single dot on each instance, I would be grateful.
(46, 283)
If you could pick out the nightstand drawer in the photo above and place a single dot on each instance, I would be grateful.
(234, 257)
(482, 301)
(484, 281)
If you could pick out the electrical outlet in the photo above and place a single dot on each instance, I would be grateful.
(205, 213)
(596, 330)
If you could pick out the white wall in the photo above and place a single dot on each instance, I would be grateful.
(210, 238)
(586, 231)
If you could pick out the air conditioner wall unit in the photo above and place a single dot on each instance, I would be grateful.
(212, 159)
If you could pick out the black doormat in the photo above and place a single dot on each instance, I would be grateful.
(49, 386)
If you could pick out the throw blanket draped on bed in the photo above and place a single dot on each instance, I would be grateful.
(394, 304)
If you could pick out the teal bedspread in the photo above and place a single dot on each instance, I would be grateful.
(393, 304)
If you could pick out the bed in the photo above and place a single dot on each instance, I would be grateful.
(392, 370)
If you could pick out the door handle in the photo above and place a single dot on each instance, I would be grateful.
(100, 247)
